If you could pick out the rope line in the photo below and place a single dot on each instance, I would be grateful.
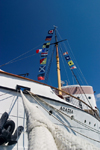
(76, 62)
(64, 64)
(58, 119)
(5, 98)
(20, 59)
(97, 131)
(49, 66)
(5, 93)
(78, 67)
(73, 56)
(81, 88)
(19, 56)
(12, 104)
(17, 121)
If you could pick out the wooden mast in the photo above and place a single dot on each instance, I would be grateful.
(58, 65)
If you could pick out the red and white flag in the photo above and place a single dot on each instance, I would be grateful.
(65, 53)
(50, 32)
(74, 67)
(38, 50)
(44, 54)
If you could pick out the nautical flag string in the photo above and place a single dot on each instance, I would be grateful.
(44, 54)
(69, 61)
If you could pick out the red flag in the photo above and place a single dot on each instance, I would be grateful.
(41, 77)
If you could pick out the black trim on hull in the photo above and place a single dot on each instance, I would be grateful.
(18, 87)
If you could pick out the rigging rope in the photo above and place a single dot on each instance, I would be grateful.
(49, 65)
(31, 94)
(97, 131)
(5, 98)
(77, 63)
(12, 104)
(21, 59)
(19, 56)
(81, 88)
(17, 121)
(73, 56)
(36, 121)
(63, 64)
(5, 93)
(80, 71)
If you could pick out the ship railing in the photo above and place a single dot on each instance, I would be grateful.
(77, 102)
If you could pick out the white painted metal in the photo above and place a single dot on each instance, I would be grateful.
(18, 115)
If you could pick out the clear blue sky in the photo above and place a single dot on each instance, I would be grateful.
(24, 25)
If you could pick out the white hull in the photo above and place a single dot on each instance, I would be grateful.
(73, 119)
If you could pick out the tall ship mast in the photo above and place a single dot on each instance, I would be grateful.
(58, 64)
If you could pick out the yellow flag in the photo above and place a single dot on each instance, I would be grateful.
(44, 46)
(70, 63)
(48, 43)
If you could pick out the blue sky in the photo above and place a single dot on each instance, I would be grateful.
(24, 25)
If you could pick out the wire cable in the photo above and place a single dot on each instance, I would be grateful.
(21, 59)
(19, 56)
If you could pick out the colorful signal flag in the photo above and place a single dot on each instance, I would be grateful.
(67, 57)
(65, 53)
(42, 68)
(50, 31)
(48, 38)
(74, 67)
(70, 63)
(46, 45)
(43, 61)
(40, 50)
(41, 76)
(44, 54)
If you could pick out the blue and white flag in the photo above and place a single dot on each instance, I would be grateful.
(67, 57)
(42, 68)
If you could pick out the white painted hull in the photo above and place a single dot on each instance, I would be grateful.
(80, 124)
(18, 116)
